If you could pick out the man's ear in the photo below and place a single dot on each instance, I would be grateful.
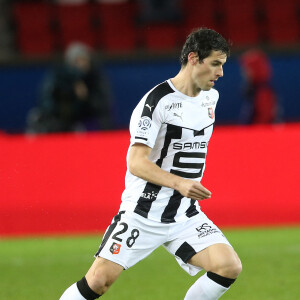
(193, 58)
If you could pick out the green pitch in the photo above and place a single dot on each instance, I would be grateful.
(42, 268)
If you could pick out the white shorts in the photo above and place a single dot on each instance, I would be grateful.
(131, 237)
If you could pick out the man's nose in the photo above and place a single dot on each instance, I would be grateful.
(220, 72)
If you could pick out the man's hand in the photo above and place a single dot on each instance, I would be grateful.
(193, 189)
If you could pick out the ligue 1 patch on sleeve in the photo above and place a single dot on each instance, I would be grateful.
(143, 127)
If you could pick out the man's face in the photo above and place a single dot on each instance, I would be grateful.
(205, 73)
(82, 63)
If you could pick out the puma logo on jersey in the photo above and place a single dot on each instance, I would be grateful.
(179, 116)
(150, 107)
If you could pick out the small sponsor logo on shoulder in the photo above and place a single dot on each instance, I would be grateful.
(115, 248)
(208, 103)
(205, 230)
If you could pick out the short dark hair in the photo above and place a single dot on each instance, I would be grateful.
(203, 41)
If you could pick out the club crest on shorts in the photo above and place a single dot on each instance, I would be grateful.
(115, 248)
(211, 112)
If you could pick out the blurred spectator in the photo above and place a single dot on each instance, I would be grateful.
(74, 97)
(260, 102)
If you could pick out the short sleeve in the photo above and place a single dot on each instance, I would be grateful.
(149, 115)
(145, 128)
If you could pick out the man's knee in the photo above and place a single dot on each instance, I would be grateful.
(102, 275)
(99, 281)
(235, 268)
(220, 259)
(230, 269)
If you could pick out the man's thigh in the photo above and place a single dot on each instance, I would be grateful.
(216, 258)
(193, 237)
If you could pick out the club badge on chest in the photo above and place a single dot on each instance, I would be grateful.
(211, 112)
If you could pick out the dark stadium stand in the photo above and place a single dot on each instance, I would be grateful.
(281, 21)
(74, 23)
(160, 36)
(197, 13)
(116, 30)
(33, 23)
(45, 27)
(241, 21)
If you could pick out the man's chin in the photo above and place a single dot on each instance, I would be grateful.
(206, 88)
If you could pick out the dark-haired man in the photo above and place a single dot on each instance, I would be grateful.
(170, 130)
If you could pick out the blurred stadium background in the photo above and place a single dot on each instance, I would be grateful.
(69, 183)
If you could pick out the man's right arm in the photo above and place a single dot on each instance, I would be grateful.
(140, 166)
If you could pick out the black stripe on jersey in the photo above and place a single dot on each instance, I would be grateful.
(154, 97)
(201, 132)
(170, 211)
(188, 165)
(140, 138)
(192, 211)
(151, 190)
(173, 132)
(185, 252)
(109, 231)
(145, 201)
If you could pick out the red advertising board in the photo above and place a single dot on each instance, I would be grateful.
(72, 183)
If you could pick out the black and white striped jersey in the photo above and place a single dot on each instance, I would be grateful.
(177, 128)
